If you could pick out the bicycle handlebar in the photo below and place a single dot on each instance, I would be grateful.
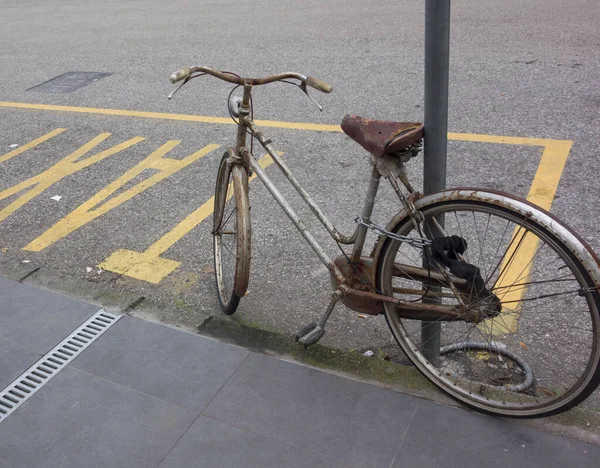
(315, 83)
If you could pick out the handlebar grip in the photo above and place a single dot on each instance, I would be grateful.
(318, 84)
(180, 75)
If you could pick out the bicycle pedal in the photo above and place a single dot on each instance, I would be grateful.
(312, 337)
(305, 330)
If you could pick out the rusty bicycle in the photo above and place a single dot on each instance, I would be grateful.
(515, 291)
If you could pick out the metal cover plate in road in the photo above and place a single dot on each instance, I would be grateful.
(68, 82)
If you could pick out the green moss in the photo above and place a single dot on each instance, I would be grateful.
(108, 298)
(354, 363)
(254, 325)
(581, 417)
(181, 304)
(351, 362)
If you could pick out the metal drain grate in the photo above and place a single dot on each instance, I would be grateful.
(68, 82)
(34, 378)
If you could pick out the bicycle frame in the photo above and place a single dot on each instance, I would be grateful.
(436, 270)
(357, 239)
(359, 235)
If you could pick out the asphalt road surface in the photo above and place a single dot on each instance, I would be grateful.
(525, 70)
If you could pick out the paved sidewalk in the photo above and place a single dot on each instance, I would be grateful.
(145, 395)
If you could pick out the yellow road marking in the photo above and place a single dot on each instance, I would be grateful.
(60, 170)
(149, 265)
(504, 140)
(167, 116)
(31, 144)
(547, 177)
(481, 138)
(90, 210)
(541, 193)
(517, 266)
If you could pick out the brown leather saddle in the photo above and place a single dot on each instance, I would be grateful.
(379, 137)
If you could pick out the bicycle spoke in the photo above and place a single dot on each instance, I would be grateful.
(543, 312)
(480, 244)
(525, 285)
(460, 233)
(223, 223)
(230, 252)
(487, 280)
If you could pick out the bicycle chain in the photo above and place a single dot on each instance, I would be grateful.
(413, 241)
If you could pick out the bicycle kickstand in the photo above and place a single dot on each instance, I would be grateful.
(313, 332)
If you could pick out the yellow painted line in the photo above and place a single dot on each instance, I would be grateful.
(542, 192)
(142, 265)
(503, 140)
(167, 116)
(545, 183)
(59, 171)
(149, 265)
(481, 138)
(93, 208)
(31, 144)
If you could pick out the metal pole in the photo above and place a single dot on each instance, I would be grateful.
(437, 57)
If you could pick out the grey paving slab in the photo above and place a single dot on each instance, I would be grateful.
(37, 320)
(344, 421)
(212, 443)
(14, 360)
(443, 436)
(3, 465)
(181, 368)
(81, 420)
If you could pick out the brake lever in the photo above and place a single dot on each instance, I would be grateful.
(303, 88)
(179, 87)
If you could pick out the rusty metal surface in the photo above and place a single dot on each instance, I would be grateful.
(411, 272)
(244, 228)
(359, 276)
(379, 137)
(580, 249)
(382, 139)
(368, 205)
(237, 176)
(244, 112)
(186, 73)
(266, 144)
(414, 310)
(361, 296)
(291, 213)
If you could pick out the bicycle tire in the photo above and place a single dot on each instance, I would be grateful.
(529, 335)
(231, 209)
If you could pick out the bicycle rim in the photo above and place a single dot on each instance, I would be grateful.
(231, 231)
(549, 320)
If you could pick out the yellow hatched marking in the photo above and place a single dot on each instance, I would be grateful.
(519, 259)
(149, 265)
(31, 144)
(541, 193)
(480, 138)
(168, 116)
(59, 171)
(92, 209)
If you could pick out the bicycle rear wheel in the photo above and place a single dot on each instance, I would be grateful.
(231, 234)
(540, 355)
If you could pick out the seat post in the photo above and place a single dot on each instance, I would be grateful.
(366, 214)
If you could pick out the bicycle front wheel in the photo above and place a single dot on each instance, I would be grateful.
(536, 355)
(231, 234)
